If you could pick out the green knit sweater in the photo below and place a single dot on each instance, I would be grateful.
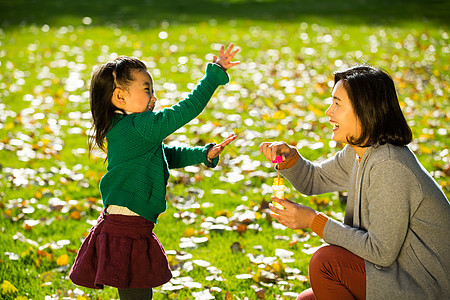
(138, 160)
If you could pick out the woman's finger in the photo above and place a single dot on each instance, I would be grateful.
(274, 151)
(263, 146)
(265, 150)
(275, 209)
(286, 203)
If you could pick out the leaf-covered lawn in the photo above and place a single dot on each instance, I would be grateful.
(219, 237)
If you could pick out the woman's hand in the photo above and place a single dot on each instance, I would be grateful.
(214, 151)
(225, 57)
(272, 150)
(294, 215)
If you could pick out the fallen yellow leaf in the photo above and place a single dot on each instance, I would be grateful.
(62, 260)
(189, 232)
(8, 288)
(76, 215)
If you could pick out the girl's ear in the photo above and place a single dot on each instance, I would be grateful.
(118, 98)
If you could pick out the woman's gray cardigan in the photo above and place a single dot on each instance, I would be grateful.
(397, 219)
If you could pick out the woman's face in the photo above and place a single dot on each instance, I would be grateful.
(342, 117)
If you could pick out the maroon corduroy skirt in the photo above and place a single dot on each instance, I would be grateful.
(123, 252)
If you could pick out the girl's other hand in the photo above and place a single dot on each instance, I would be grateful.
(270, 150)
(225, 57)
(214, 151)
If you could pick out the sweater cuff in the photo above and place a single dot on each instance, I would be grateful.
(288, 162)
(211, 163)
(220, 66)
(221, 76)
(318, 224)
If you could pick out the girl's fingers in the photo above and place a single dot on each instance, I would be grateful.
(217, 149)
(228, 140)
(229, 49)
(228, 52)
(225, 142)
(232, 137)
(234, 53)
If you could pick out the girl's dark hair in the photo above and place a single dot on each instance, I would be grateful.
(105, 80)
(375, 103)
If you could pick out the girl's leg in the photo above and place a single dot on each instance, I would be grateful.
(133, 294)
(336, 273)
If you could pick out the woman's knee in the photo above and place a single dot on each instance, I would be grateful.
(320, 257)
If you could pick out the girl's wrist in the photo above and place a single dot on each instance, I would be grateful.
(220, 66)
(209, 160)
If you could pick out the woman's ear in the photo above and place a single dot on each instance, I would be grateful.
(118, 98)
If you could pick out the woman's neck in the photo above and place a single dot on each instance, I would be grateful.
(359, 150)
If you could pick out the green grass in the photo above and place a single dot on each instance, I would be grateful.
(289, 50)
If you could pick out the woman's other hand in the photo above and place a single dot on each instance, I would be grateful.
(294, 215)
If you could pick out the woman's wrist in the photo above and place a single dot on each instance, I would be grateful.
(289, 162)
(318, 223)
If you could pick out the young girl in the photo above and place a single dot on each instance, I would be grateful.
(394, 242)
(121, 250)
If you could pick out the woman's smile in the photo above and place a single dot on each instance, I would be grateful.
(335, 125)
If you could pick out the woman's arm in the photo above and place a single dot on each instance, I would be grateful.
(386, 198)
(330, 175)
(311, 178)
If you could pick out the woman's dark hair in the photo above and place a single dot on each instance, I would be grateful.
(375, 103)
(116, 73)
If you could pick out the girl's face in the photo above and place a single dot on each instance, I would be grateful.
(139, 96)
(342, 117)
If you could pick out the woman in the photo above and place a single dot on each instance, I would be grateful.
(394, 242)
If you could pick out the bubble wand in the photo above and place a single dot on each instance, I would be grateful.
(278, 185)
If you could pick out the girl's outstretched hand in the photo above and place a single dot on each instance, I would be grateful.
(214, 151)
(225, 57)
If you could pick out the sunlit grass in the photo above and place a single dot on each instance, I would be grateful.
(279, 92)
